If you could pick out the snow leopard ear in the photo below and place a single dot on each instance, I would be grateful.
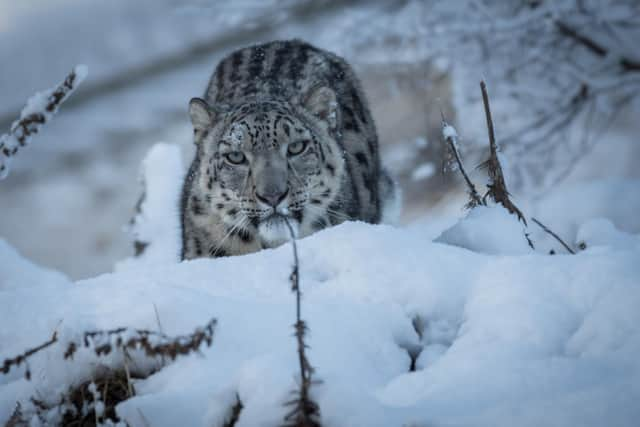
(322, 102)
(200, 113)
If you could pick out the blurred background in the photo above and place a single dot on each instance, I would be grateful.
(562, 75)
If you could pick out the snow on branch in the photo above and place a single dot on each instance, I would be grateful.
(39, 110)
(451, 138)
(305, 412)
(497, 184)
(102, 342)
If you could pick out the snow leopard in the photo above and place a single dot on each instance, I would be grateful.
(285, 142)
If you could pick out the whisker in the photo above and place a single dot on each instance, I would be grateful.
(334, 213)
(240, 223)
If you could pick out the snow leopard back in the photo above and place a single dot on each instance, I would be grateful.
(258, 86)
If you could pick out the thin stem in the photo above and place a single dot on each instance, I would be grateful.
(548, 230)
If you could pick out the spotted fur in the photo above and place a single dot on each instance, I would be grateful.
(283, 131)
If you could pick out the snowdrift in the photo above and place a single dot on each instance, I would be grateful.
(501, 339)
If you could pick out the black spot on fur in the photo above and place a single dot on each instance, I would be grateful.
(245, 236)
(331, 169)
(232, 212)
(217, 253)
(319, 224)
(371, 144)
(353, 208)
(257, 62)
(350, 122)
(220, 77)
(298, 63)
(219, 206)
(362, 159)
(359, 107)
(196, 206)
(236, 62)
(280, 57)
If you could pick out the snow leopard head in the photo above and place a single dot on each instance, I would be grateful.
(269, 160)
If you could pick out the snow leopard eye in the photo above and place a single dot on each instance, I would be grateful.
(297, 148)
(235, 157)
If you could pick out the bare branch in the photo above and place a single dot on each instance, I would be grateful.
(305, 412)
(594, 47)
(546, 229)
(497, 186)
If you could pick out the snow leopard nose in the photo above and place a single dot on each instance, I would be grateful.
(272, 198)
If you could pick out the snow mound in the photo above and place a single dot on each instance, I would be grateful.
(156, 226)
(498, 340)
(490, 230)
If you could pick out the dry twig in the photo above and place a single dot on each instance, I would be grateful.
(104, 341)
(305, 412)
(234, 415)
(451, 138)
(554, 235)
(497, 186)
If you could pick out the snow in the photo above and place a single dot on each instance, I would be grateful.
(423, 171)
(449, 131)
(158, 219)
(506, 335)
(490, 230)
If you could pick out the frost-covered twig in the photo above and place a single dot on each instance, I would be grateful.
(39, 110)
(305, 412)
(497, 186)
(23, 358)
(554, 235)
(451, 138)
(102, 342)
(153, 343)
